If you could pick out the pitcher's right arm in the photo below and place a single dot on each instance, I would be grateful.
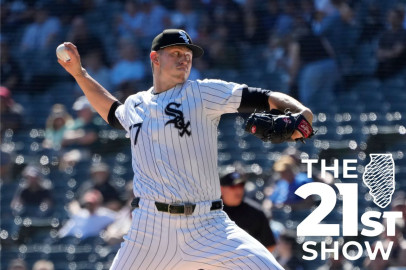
(100, 99)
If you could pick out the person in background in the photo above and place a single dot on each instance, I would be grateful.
(341, 264)
(91, 47)
(185, 15)
(127, 89)
(11, 113)
(399, 204)
(143, 19)
(311, 61)
(276, 61)
(298, 156)
(83, 132)
(285, 21)
(17, 264)
(36, 46)
(251, 30)
(392, 47)
(286, 250)
(155, 18)
(91, 220)
(115, 231)
(95, 64)
(129, 67)
(338, 24)
(42, 33)
(43, 265)
(397, 257)
(269, 14)
(10, 75)
(15, 15)
(6, 167)
(99, 180)
(290, 179)
(129, 23)
(33, 199)
(245, 213)
(57, 123)
(80, 35)
(82, 138)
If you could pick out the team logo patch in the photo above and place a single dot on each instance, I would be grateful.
(253, 129)
(183, 36)
(178, 120)
(286, 120)
(304, 128)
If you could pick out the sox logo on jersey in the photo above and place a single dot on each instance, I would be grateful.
(178, 120)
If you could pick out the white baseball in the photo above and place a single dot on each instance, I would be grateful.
(61, 53)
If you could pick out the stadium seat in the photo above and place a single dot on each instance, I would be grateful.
(85, 256)
(366, 95)
(394, 94)
(32, 257)
(62, 93)
(398, 106)
(7, 255)
(365, 62)
(323, 106)
(366, 85)
(379, 107)
(351, 107)
(280, 215)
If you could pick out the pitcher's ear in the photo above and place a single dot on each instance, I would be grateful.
(154, 56)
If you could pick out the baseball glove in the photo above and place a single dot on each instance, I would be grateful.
(278, 127)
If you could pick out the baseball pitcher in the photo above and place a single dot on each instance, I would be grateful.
(178, 222)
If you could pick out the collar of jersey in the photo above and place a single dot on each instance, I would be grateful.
(170, 89)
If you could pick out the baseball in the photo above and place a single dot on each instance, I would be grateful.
(61, 53)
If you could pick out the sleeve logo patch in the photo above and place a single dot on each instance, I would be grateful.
(304, 128)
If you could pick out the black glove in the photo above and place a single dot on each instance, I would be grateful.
(278, 127)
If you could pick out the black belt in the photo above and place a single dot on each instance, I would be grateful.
(179, 208)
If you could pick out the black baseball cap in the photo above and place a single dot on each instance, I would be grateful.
(231, 179)
(175, 37)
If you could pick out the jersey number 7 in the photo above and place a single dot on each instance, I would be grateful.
(138, 126)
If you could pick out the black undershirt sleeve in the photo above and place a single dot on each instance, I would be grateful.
(111, 118)
(254, 99)
(266, 235)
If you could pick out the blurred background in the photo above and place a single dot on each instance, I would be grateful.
(63, 168)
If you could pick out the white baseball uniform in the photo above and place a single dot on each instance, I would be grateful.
(174, 149)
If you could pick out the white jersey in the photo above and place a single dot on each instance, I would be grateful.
(174, 139)
(174, 149)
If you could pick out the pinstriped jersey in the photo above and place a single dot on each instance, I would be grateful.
(174, 139)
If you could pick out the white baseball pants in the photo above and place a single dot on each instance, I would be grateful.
(201, 241)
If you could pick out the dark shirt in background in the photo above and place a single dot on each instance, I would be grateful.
(253, 220)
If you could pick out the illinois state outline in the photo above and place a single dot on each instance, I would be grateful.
(379, 177)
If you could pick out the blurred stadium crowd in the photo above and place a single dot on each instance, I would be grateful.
(66, 175)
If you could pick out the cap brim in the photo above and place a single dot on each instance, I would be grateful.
(232, 183)
(238, 181)
(197, 51)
